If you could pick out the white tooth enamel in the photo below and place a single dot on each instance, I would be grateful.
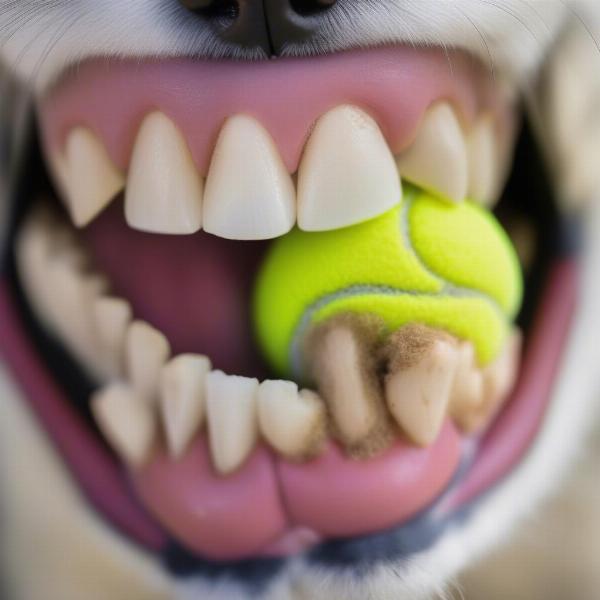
(292, 422)
(126, 422)
(483, 163)
(164, 188)
(112, 317)
(146, 351)
(501, 375)
(87, 176)
(418, 387)
(182, 382)
(437, 160)
(232, 419)
(347, 174)
(468, 387)
(249, 193)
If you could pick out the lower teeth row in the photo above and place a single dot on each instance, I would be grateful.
(363, 403)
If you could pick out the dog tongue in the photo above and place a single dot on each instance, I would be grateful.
(195, 289)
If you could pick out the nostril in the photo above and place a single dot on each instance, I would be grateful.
(307, 8)
(214, 9)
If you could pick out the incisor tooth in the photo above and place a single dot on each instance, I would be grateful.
(164, 188)
(126, 422)
(232, 419)
(292, 422)
(87, 176)
(437, 159)
(249, 193)
(112, 317)
(483, 162)
(467, 389)
(421, 369)
(347, 174)
(182, 389)
(146, 351)
(341, 358)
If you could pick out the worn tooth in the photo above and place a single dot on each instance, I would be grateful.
(468, 388)
(112, 317)
(342, 360)
(146, 351)
(182, 388)
(292, 422)
(498, 380)
(86, 175)
(249, 193)
(127, 423)
(421, 369)
(437, 160)
(483, 163)
(164, 188)
(347, 174)
(232, 419)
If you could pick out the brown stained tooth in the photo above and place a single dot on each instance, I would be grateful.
(292, 422)
(422, 364)
(146, 351)
(126, 422)
(112, 317)
(182, 398)
(343, 362)
(232, 419)
(498, 380)
(468, 388)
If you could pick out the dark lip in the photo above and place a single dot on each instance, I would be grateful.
(104, 484)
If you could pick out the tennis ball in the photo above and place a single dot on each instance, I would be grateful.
(448, 266)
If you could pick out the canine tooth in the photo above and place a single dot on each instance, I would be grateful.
(249, 193)
(232, 419)
(146, 351)
(341, 355)
(182, 399)
(483, 163)
(421, 370)
(164, 188)
(126, 422)
(112, 317)
(292, 422)
(437, 159)
(347, 174)
(87, 176)
(468, 388)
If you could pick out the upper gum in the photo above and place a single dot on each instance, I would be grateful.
(113, 102)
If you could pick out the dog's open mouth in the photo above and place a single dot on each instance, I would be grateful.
(179, 176)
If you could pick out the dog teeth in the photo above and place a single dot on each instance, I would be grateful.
(483, 162)
(347, 174)
(341, 358)
(422, 365)
(126, 422)
(232, 419)
(86, 175)
(249, 193)
(437, 159)
(146, 351)
(182, 383)
(292, 422)
(164, 188)
(468, 388)
(112, 317)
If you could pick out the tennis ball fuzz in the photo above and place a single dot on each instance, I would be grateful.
(447, 266)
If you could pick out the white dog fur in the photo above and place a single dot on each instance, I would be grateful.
(547, 46)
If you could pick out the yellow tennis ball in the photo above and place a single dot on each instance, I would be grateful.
(425, 261)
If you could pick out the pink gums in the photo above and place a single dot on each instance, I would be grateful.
(396, 85)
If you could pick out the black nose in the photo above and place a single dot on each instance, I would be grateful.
(269, 25)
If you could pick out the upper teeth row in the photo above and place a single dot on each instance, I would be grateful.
(184, 391)
(347, 174)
